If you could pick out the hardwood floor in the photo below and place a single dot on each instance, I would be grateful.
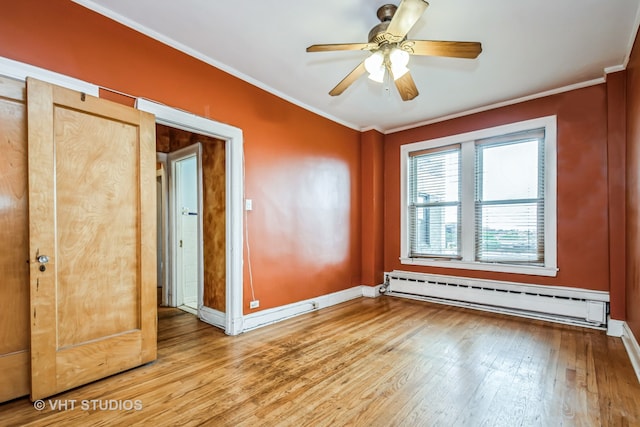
(367, 362)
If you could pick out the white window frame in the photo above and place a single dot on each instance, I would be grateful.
(549, 123)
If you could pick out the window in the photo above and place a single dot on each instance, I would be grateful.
(484, 200)
(509, 198)
(434, 208)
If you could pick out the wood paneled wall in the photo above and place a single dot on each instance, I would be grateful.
(214, 224)
(213, 216)
(14, 238)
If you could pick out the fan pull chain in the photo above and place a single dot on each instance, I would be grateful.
(387, 83)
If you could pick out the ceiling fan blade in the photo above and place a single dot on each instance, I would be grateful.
(341, 46)
(442, 48)
(407, 87)
(348, 80)
(408, 13)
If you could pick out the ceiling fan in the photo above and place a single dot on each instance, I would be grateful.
(391, 49)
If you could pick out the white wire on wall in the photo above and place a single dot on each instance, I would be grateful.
(246, 231)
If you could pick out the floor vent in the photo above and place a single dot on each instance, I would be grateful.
(560, 304)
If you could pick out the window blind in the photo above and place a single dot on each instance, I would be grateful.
(434, 202)
(509, 198)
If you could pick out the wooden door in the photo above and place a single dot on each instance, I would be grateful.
(14, 242)
(92, 215)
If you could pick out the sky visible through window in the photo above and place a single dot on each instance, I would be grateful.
(510, 172)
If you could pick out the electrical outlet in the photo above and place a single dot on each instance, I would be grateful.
(254, 304)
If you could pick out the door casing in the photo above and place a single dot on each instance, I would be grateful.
(232, 320)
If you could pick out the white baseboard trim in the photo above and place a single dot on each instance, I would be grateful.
(212, 317)
(277, 314)
(190, 301)
(371, 291)
(633, 348)
(615, 328)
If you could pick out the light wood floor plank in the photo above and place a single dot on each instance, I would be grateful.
(368, 362)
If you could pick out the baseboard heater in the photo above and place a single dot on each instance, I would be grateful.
(560, 304)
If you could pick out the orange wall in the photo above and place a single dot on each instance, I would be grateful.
(616, 166)
(372, 162)
(302, 171)
(633, 190)
(326, 197)
(582, 211)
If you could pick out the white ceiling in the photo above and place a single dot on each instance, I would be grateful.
(529, 47)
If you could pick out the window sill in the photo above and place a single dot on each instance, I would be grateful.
(502, 268)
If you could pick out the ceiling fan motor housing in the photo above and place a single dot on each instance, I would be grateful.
(385, 13)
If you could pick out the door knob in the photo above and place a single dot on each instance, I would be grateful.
(43, 259)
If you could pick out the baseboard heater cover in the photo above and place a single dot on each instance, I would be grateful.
(561, 304)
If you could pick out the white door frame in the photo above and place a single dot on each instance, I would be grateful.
(163, 229)
(233, 319)
(21, 70)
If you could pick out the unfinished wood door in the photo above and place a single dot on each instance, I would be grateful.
(14, 242)
(92, 236)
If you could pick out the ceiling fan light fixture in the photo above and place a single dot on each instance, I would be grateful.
(373, 63)
(378, 75)
(399, 57)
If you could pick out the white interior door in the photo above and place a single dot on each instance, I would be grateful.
(186, 228)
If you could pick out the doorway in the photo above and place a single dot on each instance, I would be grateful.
(225, 312)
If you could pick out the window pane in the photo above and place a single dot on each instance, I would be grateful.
(510, 233)
(510, 199)
(434, 203)
(435, 231)
(509, 171)
(436, 177)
